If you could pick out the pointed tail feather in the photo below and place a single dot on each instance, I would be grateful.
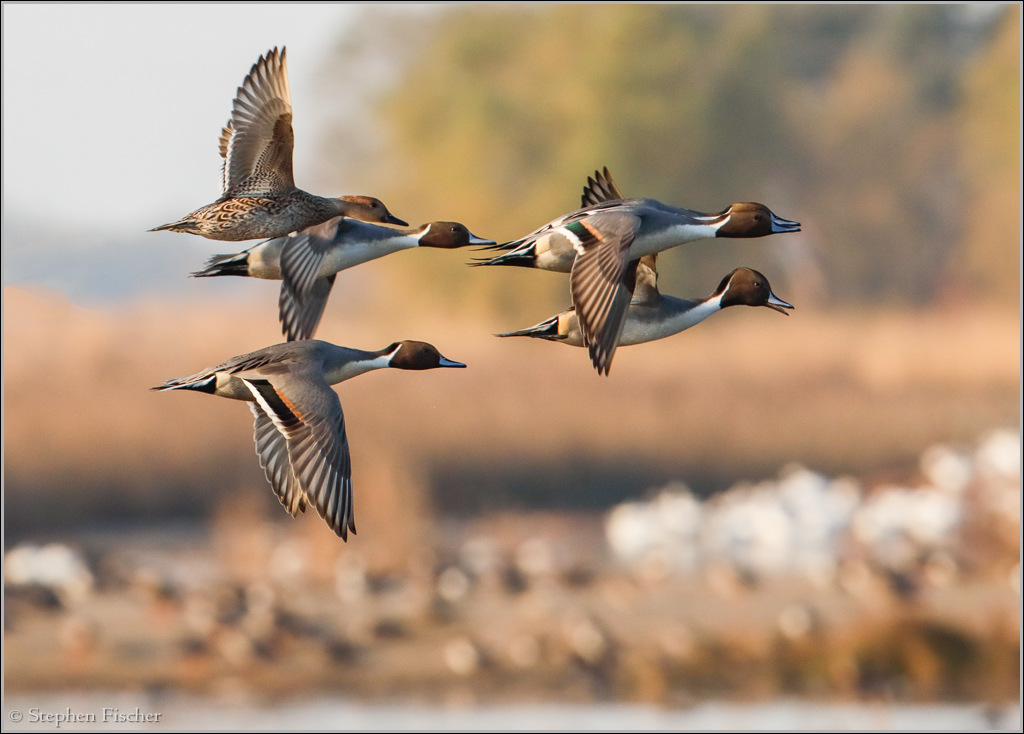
(182, 225)
(544, 330)
(237, 264)
(525, 258)
(201, 383)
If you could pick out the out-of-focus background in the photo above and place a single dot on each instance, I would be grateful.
(824, 507)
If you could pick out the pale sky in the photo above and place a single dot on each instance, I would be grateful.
(111, 112)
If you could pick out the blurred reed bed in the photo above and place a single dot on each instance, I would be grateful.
(735, 398)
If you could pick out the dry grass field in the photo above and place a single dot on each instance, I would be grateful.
(528, 424)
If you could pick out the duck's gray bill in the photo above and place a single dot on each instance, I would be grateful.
(778, 304)
(784, 225)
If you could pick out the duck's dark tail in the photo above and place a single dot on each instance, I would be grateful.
(544, 330)
(523, 257)
(237, 264)
(203, 383)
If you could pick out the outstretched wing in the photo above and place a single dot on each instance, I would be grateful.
(307, 413)
(602, 280)
(304, 291)
(599, 189)
(272, 448)
(300, 313)
(257, 142)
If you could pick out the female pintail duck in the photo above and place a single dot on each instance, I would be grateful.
(300, 428)
(307, 261)
(600, 244)
(652, 316)
(258, 194)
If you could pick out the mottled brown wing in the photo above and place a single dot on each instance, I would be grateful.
(258, 154)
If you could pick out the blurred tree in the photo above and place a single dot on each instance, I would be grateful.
(841, 117)
(989, 265)
(885, 187)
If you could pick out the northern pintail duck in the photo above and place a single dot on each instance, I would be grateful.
(652, 316)
(600, 244)
(307, 261)
(300, 428)
(258, 194)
